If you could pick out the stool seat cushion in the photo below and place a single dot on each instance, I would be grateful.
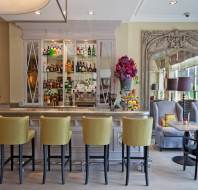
(31, 134)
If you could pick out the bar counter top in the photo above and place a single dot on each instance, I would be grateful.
(72, 111)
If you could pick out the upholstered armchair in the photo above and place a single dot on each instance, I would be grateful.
(167, 137)
(194, 111)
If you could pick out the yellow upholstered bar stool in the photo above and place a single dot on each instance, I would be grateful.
(55, 131)
(15, 131)
(137, 132)
(97, 131)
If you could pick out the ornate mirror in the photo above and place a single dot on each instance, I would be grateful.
(167, 54)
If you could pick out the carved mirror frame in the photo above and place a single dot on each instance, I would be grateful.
(157, 41)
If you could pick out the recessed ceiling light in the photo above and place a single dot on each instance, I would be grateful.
(91, 12)
(37, 12)
(64, 12)
(172, 2)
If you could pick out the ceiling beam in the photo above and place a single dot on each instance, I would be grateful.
(137, 9)
(61, 10)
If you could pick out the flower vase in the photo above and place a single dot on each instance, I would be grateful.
(126, 84)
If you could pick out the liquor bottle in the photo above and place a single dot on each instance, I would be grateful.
(78, 50)
(51, 52)
(44, 52)
(86, 67)
(44, 84)
(48, 50)
(94, 68)
(83, 67)
(72, 66)
(89, 50)
(77, 67)
(93, 51)
(90, 68)
(80, 67)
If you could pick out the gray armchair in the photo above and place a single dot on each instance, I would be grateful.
(167, 137)
(194, 111)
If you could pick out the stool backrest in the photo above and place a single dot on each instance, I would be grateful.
(97, 131)
(14, 130)
(55, 130)
(137, 132)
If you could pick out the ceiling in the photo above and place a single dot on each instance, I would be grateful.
(122, 10)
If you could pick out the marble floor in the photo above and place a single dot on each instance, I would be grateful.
(164, 174)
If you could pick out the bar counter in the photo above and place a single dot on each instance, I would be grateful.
(76, 114)
(72, 111)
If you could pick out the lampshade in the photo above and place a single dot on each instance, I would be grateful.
(154, 87)
(21, 6)
(184, 84)
(172, 84)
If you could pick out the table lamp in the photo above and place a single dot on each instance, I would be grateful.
(172, 84)
(184, 84)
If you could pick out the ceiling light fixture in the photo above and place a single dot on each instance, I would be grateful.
(64, 12)
(172, 2)
(91, 12)
(21, 6)
(37, 12)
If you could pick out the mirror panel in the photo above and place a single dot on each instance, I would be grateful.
(167, 54)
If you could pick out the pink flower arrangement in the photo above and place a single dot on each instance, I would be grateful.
(125, 68)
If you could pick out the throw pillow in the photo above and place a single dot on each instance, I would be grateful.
(169, 118)
(163, 122)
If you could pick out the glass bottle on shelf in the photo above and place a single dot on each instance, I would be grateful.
(89, 51)
(77, 66)
(93, 51)
(94, 68)
(90, 68)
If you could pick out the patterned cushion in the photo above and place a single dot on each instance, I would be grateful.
(164, 121)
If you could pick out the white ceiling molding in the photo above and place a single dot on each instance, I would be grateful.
(70, 30)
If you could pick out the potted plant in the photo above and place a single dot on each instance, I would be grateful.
(126, 69)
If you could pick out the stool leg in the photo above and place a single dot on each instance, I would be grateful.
(20, 163)
(48, 158)
(87, 163)
(185, 156)
(63, 163)
(2, 163)
(33, 154)
(195, 177)
(146, 164)
(11, 156)
(108, 157)
(105, 164)
(122, 157)
(44, 162)
(128, 165)
(70, 156)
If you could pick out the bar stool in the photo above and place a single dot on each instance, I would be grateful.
(14, 131)
(136, 132)
(55, 131)
(97, 131)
